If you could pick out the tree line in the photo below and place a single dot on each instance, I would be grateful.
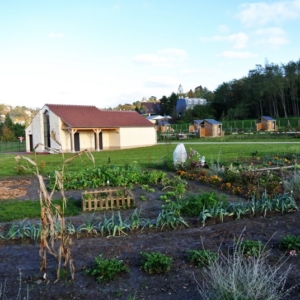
(272, 90)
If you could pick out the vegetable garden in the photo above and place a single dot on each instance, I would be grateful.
(186, 223)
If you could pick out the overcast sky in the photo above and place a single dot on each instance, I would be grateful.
(105, 53)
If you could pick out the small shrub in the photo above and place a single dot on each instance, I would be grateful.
(20, 170)
(194, 204)
(106, 269)
(155, 262)
(251, 248)
(202, 258)
(290, 242)
(231, 176)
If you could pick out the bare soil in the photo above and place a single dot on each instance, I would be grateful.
(179, 283)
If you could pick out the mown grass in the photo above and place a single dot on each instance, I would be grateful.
(146, 157)
(11, 210)
(153, 156)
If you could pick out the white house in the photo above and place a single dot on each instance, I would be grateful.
(72, 128)
(186, 103)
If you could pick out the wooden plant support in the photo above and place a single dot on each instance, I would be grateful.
(104, 199)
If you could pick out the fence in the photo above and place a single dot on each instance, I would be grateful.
(13, 146)
(284, 125)
(113, 198)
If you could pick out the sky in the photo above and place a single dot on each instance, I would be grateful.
(106, 53)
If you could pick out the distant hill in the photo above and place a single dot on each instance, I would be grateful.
(18, 114)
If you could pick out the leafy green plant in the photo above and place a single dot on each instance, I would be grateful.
(202, 258)
(250, 248)
(290, 242)
(105, 270)
(89, 226)
(155, 262)
(193, 205)
(143, 197)
(170, 216)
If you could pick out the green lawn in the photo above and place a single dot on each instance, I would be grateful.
(18, 209)
(146, 157)
(150, 156)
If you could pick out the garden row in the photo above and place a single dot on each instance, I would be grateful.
(203, 207)
(155, 262)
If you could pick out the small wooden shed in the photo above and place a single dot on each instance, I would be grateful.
(195, 125)
(206, 128)
(266, 123)
(164, 127)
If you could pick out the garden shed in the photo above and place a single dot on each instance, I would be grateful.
(206, 128)
(72, 128)
(164, 127)
(266, 123)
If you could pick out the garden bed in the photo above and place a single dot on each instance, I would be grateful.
(179, 283)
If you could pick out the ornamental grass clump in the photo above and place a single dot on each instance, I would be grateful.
(292, 184)
(235, 276)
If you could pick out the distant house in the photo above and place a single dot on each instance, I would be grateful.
(266, 123)
(155, 119)
(72, 128)
(186, 103)
(150, 108)
(161, 122)
(206, 128)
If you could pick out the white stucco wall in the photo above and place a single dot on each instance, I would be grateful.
(113, 141)
(87, 140)
(35, 128)
(55, 126)
(137, 137)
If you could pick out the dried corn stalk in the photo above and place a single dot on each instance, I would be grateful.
(52, 242)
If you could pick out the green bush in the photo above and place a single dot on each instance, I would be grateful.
(106, 269)
(193, 205)
(155, 262)
(251, 248)
(202, 258)
(290, 242)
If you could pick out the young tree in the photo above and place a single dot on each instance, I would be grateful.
(7, 134)
(191, 94)
(8, 122)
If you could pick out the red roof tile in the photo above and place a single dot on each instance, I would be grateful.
(90, 117)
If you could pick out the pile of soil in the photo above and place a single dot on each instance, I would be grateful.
(22, 257)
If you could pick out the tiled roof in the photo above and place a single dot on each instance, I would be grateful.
(82, 116)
